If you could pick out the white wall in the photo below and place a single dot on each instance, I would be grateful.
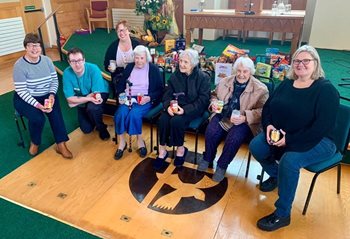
(330, 26)
(49, 24)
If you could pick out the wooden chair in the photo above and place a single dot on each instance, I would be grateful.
(98, 12)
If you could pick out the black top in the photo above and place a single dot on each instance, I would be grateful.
(155, 87)
(306, 115)
(196, 89)
(112, 52)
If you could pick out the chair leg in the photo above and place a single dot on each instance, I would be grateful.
(21, 142)
(310, 193)
(248, 165)
(24, 125)
(338, 178)
(115, 139)
(196, 147)
(261, 177)
(90, 27)
(151, 137)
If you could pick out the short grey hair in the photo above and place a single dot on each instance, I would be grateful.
(246, 62)
(140, 49)
(192, 55)
(318, 71)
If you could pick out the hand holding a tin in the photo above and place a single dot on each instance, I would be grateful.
(275, 137)
(95, 98)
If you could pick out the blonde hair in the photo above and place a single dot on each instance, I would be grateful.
(318, 71)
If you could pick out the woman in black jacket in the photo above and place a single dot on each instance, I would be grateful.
(190, 87)
(120, 51)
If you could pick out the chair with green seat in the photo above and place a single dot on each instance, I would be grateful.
(341, 140)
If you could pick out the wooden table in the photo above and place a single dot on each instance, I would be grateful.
(264, 21)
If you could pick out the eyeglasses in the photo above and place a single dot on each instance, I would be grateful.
(122, 30)
(32, 45)
(305, 62)
(79, 61)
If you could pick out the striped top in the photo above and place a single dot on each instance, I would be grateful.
(34, 79)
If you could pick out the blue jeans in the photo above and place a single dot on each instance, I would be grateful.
(288, 169)
(130, 120)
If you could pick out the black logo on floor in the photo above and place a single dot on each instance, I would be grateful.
(175, 190)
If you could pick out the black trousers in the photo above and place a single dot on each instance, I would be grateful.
(172, 128)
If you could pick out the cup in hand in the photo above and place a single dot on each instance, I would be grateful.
(122, 98)
(112, 65)
(174, 106)
(235, 114)
(139, 98)
(219, 104)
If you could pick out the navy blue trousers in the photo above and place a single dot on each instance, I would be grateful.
(130, 120)
(234, 138)
(36, 119)
(90, 116)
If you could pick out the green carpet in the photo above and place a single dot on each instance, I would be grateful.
(335, 63)
(16, 221)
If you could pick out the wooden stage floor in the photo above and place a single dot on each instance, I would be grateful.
(129, 199)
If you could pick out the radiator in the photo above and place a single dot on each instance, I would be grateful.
(129, 15)
(11, 35)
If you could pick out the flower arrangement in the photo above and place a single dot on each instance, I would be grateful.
(159, 22)
(148, 6)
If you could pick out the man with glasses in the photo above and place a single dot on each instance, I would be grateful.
(85, 88)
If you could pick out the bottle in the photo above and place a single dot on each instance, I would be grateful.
(274, 8)
(281, 8)
(180, 43)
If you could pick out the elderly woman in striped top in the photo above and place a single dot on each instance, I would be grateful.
(36, 85)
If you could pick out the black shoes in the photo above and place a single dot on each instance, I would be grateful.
(158, 163)
(104, 134)
(179, 160)
(119, 153)
(143, 150)
(268, 185)
(272, 222)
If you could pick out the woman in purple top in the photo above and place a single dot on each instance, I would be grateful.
(143, 79)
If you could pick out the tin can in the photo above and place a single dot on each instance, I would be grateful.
(122, 98)
(139, 98)
(47, 104)
(275, 136)
(219, 106)
(174, 105)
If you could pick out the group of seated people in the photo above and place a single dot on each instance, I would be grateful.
(302, 109)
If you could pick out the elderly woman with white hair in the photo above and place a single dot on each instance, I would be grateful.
(191, 88)
(140, 78)
(243, 98)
